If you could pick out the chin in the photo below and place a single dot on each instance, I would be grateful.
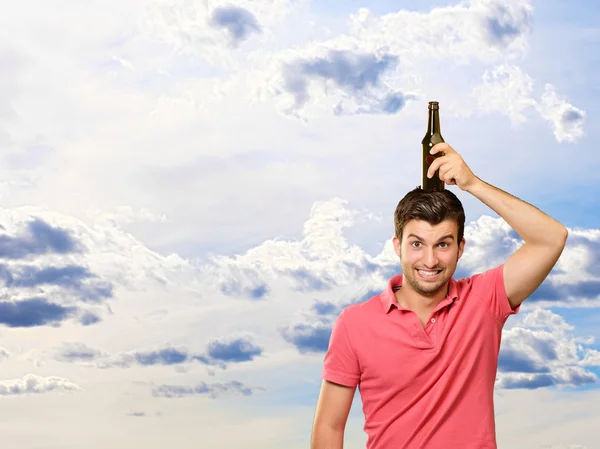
(428, 287)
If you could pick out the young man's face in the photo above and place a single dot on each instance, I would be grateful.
(429, 254)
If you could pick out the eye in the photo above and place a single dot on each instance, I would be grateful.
(444, 244)
(415, 243)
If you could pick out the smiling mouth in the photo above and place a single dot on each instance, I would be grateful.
(428, 274)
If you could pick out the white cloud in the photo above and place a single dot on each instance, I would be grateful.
(106, 249)
(210, 28)
(32, 384)
(541, 350)
(507, 90)
(592, 358)
(323, 259)
(484, 31)
(567, 120)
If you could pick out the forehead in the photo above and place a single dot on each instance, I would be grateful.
(428, 231)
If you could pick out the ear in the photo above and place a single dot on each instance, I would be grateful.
(461, 247)
(396, 243)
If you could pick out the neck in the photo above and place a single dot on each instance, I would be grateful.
(409, 298)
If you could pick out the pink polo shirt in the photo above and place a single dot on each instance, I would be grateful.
(424, 388)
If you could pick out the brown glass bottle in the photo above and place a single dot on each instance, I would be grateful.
(432, 137)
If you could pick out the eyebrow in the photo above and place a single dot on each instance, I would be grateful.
(447, 236)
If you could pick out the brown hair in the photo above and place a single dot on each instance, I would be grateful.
(432, 207)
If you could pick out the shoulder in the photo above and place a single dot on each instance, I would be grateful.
(362, 311)
(486, 281)
(489, 289)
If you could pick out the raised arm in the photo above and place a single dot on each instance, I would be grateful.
(333, 408)
(544, 237)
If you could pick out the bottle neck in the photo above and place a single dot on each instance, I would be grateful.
(433, 124)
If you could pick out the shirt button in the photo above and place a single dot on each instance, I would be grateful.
(433, 320)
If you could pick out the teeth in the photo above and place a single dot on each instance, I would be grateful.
(428, 273)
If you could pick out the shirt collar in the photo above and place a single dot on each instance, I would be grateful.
(388, 298)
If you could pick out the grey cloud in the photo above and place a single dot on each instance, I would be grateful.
(39, 238)
(325, 308)
(359, 75)
(308, 337)
(313, 336)
(548, 291)
(569, 124)
(571, 376)
(306, 281)
(503, 25)
(167, 356)
(571, 116)
(351, 71)
(159, 357)
(33, 312)
(75, 280)
(70, 277)
(203, 389)
(513, 360)
(389, 104)
(30, 276)
(331, 309)
(253, 292)
(219, 352)
(239, 22)
(88, 319)
(244, 282)
(77, 352)
(542, 355)
(233, 350)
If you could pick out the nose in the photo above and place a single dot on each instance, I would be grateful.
(430, 258)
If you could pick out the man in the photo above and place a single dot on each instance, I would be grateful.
(424, 352)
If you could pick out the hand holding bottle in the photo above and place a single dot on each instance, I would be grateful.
(451, 167)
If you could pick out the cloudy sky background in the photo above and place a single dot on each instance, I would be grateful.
(192, 190)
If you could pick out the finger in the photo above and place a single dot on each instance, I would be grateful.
(435, 165)
(448, 175)
(442, 146)
(445, 173)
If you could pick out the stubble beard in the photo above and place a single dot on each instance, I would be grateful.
(423, 287)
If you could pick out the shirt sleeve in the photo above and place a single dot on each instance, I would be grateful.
(490, 286)
(340, 364)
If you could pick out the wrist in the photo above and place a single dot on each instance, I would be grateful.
(474, 185)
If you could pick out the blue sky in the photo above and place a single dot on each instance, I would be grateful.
(191, 191)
